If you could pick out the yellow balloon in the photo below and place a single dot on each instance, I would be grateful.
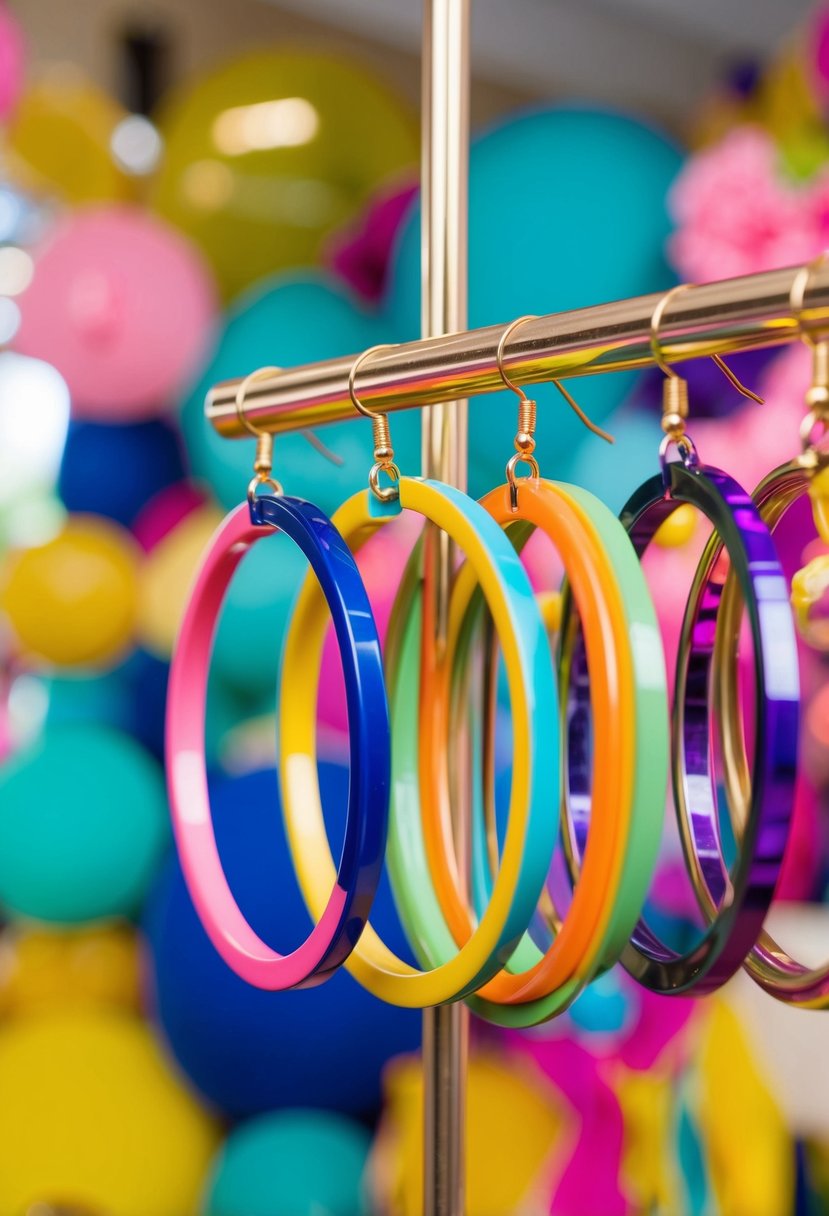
(678, 528)
(60, 139)
(819, 494)
(46, 971)
(647, 1100)
(515, 1141)
(270, 153)
(166, 577)
(93, 1117)
(72, 600)
(749, 1147)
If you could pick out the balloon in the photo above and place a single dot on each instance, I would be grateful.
(289, 321)
(71, 601)
(165, 511)
(123, 306)
(101, 698)
(12, 56)
(250, 1051)
(93, 1117)
(613, 473)
(60, 139)
(295, 1162)
(360, 255)
(115, 470)
(166, 577)
(515, 1139)
(84, 825)
(587, 176)
(30, 456)
(272, 151)
(744, 1132)
(45, 971)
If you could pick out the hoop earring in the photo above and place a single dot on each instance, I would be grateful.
(348, 901)
(745, 894)
(531, 832)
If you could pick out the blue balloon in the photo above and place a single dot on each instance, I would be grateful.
(287, 321)
(249, 1051)
(114, 470)
(567, 208)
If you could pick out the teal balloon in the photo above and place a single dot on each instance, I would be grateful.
(285, 322)
(294, 1162)
(97, 698)
(567, 208)
(259, 602)
(84, 825)
(613, 472)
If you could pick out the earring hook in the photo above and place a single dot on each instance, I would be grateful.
(522, 396)
(383, 450)
(527, 412)
(659, 358)
(817, 395)
(263, 459)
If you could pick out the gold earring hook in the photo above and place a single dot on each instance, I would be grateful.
(527, 413)
(675, 387)
(817, 395)
(674, 376)
(568, 397)
(263, 460)
(383, 450)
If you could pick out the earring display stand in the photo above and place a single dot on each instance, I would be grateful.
(720, 318)
(449, 364)
(444, 177)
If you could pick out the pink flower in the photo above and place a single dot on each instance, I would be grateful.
(735, 214)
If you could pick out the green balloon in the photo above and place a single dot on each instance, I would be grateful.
(294, 1162)
(83, 827)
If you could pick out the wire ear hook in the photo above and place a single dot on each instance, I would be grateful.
(383, 450)
(817, 395)
(263, 459)
(675, 387)
(527, 413)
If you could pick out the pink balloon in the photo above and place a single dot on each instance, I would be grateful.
(123, 306)
(12, 62)
(165, 511)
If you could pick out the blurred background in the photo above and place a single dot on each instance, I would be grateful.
(190, 189)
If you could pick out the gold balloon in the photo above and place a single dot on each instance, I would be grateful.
(273, 151)
(515, 1139)
(43, 970)
(60, 139)
(72, 600)
(94, 1118)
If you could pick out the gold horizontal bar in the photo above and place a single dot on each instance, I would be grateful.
(712, 318)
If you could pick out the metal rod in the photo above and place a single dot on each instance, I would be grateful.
(714, 318)
(444, 177)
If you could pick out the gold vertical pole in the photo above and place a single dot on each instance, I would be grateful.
(444, 179)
